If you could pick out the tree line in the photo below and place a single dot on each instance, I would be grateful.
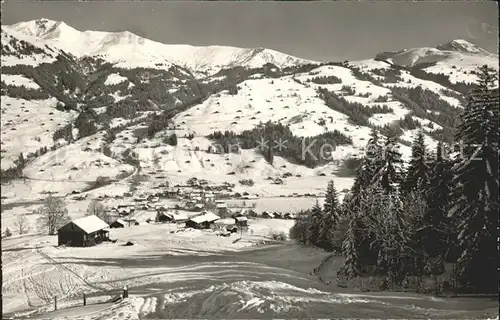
(400, 223)
(266, 136)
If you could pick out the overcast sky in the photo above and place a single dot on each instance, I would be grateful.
(325, 31)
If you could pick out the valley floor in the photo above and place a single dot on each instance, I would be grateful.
(196, 274)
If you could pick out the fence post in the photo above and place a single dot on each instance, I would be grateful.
(55, 302)
(84, 299)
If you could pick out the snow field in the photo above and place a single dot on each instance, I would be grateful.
(28, 125)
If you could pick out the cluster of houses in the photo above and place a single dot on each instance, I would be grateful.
(203, 220)
(91, 230)
(278, 215)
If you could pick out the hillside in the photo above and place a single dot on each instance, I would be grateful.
(115, 100)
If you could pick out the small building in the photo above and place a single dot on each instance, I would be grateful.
(163, 216)
(266, 214)
(242, 221)
(84, 232)
(251, 213)
(288, 216)
(131, 222)
(222, 208)
(118, 223)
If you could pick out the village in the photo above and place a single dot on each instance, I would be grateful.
(193, 205)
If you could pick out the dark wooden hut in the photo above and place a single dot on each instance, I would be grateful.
(83, 232)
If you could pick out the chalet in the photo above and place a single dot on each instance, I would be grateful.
(171, 193)
(118, 223)
(159, 207)
(203, 221)
(126, 206)
(209, 197)
(232, 228)
(289, 216)
(83, 232)
(266, 214)
(197, 199)
(140, 199)
(277, 215)
(80, 196)
(240, 213)
(242, 221)
(163, 216)
(223, 223)
(125, 211)
(131, 222)
(222, 208)
(251, 213)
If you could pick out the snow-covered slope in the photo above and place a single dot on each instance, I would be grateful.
(456, 59)
(131, 51)
(24, 49)
(148, 82)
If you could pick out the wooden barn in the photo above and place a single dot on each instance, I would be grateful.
(84, 232)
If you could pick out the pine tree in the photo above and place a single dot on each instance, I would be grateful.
(417, 175)
(330, 218)
(314, 224)
(364, 176)
(437, 197)
(350, 251)
(270, 155)
(390, 174)
(476, 176)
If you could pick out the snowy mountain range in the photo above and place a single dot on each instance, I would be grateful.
(79, 105)
(128, 50)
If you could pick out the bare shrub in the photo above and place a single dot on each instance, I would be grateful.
(21, 224)
(279, 236)
(52, 215)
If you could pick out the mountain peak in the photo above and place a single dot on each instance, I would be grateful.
(460, 45)
(42, 28)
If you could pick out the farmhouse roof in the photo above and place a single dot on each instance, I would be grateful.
(90, 224)
(227, 221)
(179, 216)
(120, 221)
(206, 217)
(241, 219)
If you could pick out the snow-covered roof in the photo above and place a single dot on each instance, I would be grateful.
(90, 224)
(206, 217)
(179, 216)
(241, 219)
(228, 221)
(120, 221)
